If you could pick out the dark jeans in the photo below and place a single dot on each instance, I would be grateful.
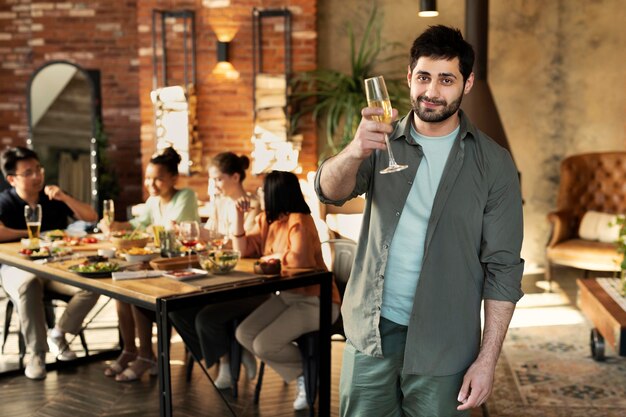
(206, 330)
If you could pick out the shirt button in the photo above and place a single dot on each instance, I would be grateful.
(410, 182)
(397, 213)
(385, 246)
(381, 276)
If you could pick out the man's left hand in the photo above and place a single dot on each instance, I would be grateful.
(477, 385)
(54, 193)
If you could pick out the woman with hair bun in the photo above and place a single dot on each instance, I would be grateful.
(206, 329)
(227, 172)
(166, 206)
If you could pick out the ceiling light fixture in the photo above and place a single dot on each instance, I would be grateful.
(428, 8)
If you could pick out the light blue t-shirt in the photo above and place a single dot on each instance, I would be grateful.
(407, 247)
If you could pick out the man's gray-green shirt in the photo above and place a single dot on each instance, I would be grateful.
(471, 251)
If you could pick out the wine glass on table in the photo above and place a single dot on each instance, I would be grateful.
(189, 235)
(377, 96)
(108, 216)
(217, 238)
(32, 216)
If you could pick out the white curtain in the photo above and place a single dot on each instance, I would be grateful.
(75, 175)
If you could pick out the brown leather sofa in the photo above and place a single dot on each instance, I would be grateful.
(589, 182)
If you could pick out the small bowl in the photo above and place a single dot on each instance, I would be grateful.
(267, 268)
(108, 253)
(139, 258)
(219, 261)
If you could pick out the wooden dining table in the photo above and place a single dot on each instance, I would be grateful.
(163, 295)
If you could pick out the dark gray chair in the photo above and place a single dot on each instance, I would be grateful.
(343, 252)
(50, 302)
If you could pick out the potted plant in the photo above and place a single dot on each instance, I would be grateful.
(335, 99)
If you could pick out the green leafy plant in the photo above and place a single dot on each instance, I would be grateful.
(335, 99)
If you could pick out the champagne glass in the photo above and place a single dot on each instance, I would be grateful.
(108, 215)
(377, 96)
(32, 215)
(217, 239)
(189, 233)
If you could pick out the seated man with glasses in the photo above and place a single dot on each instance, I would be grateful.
(23, 171)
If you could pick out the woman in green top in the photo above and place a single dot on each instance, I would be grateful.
(165, 207)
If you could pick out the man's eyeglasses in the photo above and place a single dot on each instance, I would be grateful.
(30, 173)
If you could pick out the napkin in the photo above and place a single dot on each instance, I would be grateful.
(122, 275)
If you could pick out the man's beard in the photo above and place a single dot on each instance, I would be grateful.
(432, 115)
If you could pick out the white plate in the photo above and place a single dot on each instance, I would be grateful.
(186, 274)
(75, 233)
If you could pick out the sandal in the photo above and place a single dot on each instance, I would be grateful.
(136, 369)
(120, 363)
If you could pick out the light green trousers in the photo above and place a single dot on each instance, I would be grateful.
(376, 387)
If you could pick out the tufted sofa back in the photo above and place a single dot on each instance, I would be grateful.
(592, 181)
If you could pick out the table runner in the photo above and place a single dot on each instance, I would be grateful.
(611, 286)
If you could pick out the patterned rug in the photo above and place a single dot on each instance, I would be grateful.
(548, 371)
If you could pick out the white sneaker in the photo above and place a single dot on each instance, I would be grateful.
(249, 363)
(36, 368)
(58, 345)
(300, 402)
(223, 380)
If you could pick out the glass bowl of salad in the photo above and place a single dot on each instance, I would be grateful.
(219, 261)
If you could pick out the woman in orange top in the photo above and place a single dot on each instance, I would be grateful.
(285, 231)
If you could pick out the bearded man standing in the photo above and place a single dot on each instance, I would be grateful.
(437, 239)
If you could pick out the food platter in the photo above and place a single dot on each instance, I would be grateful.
(95, 269)
(34, 254)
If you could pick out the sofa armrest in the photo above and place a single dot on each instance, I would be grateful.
(561, 226)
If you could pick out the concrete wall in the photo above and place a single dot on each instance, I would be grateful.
(555, 69)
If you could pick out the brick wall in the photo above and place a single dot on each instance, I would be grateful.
(115, 38)
(99, 35)
(225, 112)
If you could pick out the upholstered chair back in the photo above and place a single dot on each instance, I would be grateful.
(592, 182)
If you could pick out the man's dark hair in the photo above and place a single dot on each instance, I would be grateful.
(11, 156)
(283, 195)
(443, 42)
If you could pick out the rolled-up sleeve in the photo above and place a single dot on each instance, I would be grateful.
(502, 235)
(362, 182)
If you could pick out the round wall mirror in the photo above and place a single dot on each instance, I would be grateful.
(62, 120)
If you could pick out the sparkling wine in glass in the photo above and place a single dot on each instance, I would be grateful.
(189, 234)
(108, 215)
(218, 238)
(32, 215)
(377, 96)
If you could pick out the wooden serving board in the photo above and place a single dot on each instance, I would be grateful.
(172, 264)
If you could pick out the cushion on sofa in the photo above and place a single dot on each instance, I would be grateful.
(599, 226)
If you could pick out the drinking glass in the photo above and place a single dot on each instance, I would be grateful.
(32, 215)
(189, 233)
(217, 239)
(108, 215)
(157, 230)
(377, 96)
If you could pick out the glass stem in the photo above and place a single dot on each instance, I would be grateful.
(392, 160)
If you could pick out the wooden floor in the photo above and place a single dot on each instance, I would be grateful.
(85, 391)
